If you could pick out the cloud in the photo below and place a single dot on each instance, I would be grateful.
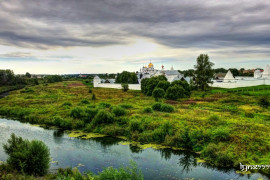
(227, 29)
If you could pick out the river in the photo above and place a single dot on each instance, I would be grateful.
(95, 154)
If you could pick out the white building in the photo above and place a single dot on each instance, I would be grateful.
(257, 74)
(150, 71)
(229, 77)
(266, 73)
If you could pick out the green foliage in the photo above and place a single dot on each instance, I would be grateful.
(135, 125)
(183, 84)
(125, 87)
(157, 106)
(27, 90)
(166, 108)
(31, 157)
(127, 77)
(264, 102)
(203, 72)
(175, 92)
(148, 110)
(67, 104)
(158, 93)
(53, 78)
(220, 134)
(124, 173)
(104, 105)
(103, 117)
(90, 90)
(84, 101)
(7, 77)
(126, 106)
(149, 84)
(28, 75)
(119, 111)
(94, 97)
(163, 85)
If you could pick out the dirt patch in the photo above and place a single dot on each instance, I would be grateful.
(190, 101)
(171, 102)
(75, 85)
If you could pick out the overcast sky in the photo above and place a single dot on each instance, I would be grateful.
(99, 36)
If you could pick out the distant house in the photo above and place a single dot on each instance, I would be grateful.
(219, 76)
(229, 77)
(110, 81)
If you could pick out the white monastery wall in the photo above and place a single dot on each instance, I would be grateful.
(117, 86)
(241, 83)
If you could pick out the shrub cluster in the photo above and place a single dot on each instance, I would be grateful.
(31, 157)
(119, 111)
(159, 87)
(163, 107)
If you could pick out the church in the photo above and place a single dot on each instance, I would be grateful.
(149, 71)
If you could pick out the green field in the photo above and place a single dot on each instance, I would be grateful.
(225, 127)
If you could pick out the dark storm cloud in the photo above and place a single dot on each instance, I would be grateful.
(96, 23)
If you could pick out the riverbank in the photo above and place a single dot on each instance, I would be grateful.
(222, 126)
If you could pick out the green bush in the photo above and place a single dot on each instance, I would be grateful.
(90, 90)
(135, 125)
(90, 113)
(125, 87)
(220, 134)
(175, 92)
(84, 101)
(119, 111)
(158, 93)
(124, 173)
(104, 105)
(148, 110)
(66, 104)
(264, 102)
(103, 117)
(163, 85)
(249, 114)
(94, 97)
(126, 106)
(157, 107)
(166, 108)
(31, 157)
(213, 118)
(77, 112)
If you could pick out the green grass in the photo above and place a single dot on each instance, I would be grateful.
(225, 127)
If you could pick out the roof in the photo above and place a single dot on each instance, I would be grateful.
(229, 76)
(171, 72)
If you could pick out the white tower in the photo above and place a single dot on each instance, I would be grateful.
(96, 81)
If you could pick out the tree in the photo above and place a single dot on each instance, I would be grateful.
(183, 84)
(127, 77)
(163, 85)
(125, 87)
(158, 93)
(28, 75)
(234, 71)
(203, 72)
(31, 157)
(175, 92)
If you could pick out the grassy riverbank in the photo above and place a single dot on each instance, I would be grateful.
(225, 127)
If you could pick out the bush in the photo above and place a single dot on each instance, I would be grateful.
(77, 112)
(135, 125)
(94, 97)
(119, 111)
(31, 157)
(90, 90)
(125, 87)
(157, 107)
(264, 102)
(84, 101)
(166, 108)
(104, 105)
(126, 106)
(249, 114)
(163, 85)
(158, 93)
(125, 173)
(175, 92)
(66, 104)
(220, 134)
(148, 110)
(103, 117)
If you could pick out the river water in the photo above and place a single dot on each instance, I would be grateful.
(95, 154)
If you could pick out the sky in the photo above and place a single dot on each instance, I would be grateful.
(109, 36)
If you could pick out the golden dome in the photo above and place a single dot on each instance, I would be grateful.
(150, 65)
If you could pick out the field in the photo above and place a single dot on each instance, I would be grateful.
(226, 127)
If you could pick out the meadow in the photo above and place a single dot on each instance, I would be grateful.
(226, 127)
